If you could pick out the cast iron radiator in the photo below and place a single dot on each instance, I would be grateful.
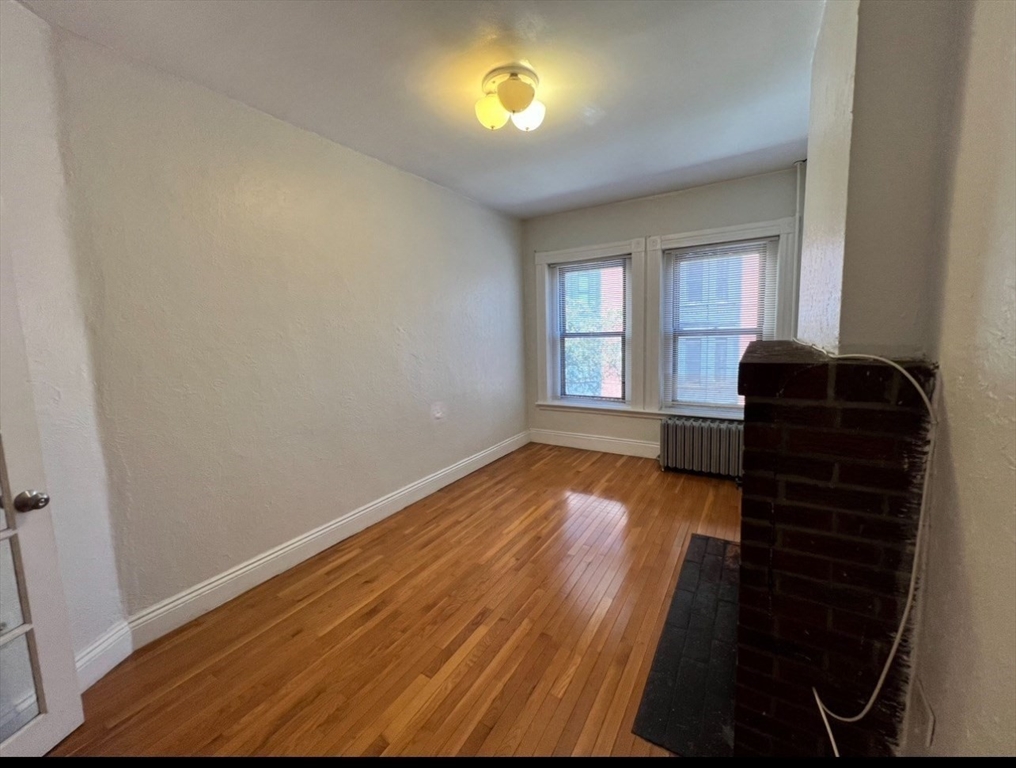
(712, 446)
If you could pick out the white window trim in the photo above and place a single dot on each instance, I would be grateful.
(546, 263)
(787, 276)
(645, 338)
(610, 409)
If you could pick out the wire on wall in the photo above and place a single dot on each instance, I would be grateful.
(823, 710)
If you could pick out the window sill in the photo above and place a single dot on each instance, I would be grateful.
(621, 409)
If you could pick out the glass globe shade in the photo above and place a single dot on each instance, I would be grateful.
(515, 94)
(490, 113)
(530, 118)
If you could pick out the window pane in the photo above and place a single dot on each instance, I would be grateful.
(706, 368)
(10, 601)
(592, 298)
(18, 701)
(717, 293)
(593, 367)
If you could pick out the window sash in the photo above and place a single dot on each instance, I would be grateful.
(563, 336)
(624, 365)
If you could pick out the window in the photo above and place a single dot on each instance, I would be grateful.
(657, 325)
(592, 329)
(716, 300)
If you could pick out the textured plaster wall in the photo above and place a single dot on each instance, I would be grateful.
(825, 198)
(273, 317)
(741, 201)
(902, 109)
(35, 229)
(966, 651)
(881, 106)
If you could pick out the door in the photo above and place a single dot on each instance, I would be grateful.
(39, 699)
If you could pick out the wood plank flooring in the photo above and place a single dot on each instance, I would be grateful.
(514, 612)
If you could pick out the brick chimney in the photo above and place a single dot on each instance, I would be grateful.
(834, 463)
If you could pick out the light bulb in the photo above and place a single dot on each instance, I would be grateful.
(531, 117)
(490, 113)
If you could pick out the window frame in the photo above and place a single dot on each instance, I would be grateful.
(787, 281)
(645, 314)
(563, 335)
(549, 314)
(670, 336)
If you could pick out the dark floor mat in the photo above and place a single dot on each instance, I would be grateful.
(688, 703)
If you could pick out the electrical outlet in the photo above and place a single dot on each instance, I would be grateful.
(437, 411)
(924, 717)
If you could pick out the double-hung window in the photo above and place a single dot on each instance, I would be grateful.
(591, 329)
(657, 325)
(716, 300)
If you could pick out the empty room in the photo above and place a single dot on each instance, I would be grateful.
(417, 378)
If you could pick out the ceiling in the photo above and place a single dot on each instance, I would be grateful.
(643, 96)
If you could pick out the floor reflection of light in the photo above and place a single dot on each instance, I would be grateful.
(596, 531)
(585, 504)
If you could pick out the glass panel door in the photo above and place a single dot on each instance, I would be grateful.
(19, 699)
(39, 699)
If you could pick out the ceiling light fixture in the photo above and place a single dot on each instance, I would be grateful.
(510, 92)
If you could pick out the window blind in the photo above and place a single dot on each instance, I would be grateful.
(592, 329)
(717, 300)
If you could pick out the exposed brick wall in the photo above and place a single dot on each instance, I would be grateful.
(834, 461)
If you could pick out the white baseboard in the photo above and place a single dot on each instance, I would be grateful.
(647, 449)
(112, 647)
(165, 616)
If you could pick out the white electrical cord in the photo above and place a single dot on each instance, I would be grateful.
(823, 710)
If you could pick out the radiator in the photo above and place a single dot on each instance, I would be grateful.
(712, 446)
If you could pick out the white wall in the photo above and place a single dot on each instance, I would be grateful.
(825, 198)
(272, 317)
(966, 650)
(903, 100)
(881, 103)
(35, 223)
(741, 201)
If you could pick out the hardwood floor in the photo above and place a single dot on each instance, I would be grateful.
(514, 612)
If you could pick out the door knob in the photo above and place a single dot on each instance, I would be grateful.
(26, 501)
